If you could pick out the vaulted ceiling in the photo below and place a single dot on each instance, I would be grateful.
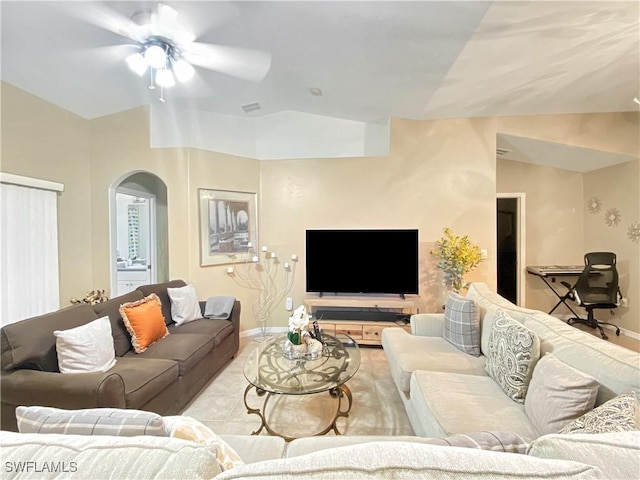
(372, 60)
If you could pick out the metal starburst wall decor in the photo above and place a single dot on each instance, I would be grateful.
(613, 217)
(634, 232)
(594, 205)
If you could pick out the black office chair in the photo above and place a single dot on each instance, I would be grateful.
(596, 287)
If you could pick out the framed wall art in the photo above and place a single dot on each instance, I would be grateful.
(228, 225)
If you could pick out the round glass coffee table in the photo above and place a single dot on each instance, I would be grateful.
(270, 373)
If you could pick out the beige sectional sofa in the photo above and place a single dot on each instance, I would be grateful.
(34, 456)
(447, 391)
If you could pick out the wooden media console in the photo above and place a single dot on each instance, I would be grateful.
(365, 332)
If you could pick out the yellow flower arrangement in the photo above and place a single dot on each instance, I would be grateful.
(458, 256)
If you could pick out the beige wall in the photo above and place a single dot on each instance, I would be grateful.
(120, 145)
(560, 229)
(553, 221)
(221, 172)
(550, 222)
(90, 156)
(44, 141)
(608, 132)
(439, 173)
(616, 187)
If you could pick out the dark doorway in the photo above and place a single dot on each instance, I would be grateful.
(507, 268)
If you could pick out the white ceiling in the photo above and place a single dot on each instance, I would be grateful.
(372, 59)
(567, 157)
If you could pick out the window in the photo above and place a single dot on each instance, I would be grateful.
(29, 281)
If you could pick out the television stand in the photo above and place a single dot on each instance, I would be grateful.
(365, 332)
(335, 294)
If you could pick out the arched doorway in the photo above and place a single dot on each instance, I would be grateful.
(138, 231)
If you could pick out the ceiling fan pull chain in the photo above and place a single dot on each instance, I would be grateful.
(151, 85)
(161, 93)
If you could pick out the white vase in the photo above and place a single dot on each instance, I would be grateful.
(292, 351)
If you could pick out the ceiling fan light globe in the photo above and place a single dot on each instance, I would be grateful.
(183, 70)
(155, 56)
(137, 63)
(164, 78)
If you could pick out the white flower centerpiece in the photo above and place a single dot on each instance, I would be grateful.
(299, 343)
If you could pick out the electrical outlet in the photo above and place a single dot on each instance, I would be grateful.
(289, 304)
(624, 302)
(483, 253)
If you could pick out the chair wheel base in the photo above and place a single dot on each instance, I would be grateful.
(590, 322)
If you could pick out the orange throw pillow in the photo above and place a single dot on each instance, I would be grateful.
(144, 321)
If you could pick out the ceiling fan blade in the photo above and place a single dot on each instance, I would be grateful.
(244, 63)
(158, 22)
(112, 54)
(102, 16)
(167, 16)
(165, 24)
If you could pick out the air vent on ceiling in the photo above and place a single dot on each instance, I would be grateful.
(251, 107)
(501, 152)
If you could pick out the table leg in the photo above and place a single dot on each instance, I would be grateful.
(256, 411)
(339, 393)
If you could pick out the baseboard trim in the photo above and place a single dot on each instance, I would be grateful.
(627, 333)
(254, 332)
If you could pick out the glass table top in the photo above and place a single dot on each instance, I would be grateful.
(269, 370)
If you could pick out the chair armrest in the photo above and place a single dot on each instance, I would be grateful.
(427, 324)
(72, 391)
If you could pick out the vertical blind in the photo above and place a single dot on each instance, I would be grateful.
(29, 281)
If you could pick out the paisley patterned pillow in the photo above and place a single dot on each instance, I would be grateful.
(513, 352)
(617, 415)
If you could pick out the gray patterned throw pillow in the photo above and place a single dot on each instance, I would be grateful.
(513, 351)
(462, 324)
(617, 415)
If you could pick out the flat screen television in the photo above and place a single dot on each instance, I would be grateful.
(362, 261)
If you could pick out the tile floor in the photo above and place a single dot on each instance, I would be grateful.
(377, 408)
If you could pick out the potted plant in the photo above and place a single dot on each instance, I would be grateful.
(298, 325)
(299, 343)
(457, 256)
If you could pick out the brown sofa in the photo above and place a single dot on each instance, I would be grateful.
(163, 379)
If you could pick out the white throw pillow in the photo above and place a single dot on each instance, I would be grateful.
(558, 394)
(87, 348)
(184, 304)
(190, 429)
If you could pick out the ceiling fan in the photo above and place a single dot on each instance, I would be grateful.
(168, 51)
